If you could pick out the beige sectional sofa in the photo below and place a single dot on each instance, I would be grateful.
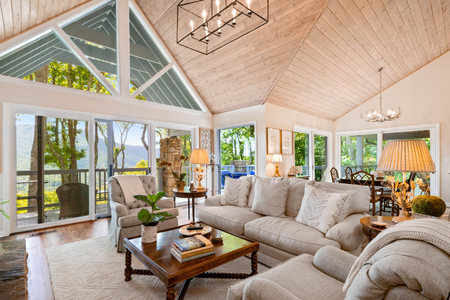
(284, 238)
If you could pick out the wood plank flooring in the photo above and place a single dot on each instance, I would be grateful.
(39, 282)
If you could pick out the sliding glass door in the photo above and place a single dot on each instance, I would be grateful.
(312, 150)
(52, 161)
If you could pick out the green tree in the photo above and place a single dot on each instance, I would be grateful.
(232, 144)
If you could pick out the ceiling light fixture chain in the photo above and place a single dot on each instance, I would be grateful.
(380, 117)
(205, 26)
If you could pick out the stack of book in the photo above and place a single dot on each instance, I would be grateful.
(190, 248)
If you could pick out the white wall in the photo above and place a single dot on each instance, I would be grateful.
(285, 119)
(424, 97)
(242, 117)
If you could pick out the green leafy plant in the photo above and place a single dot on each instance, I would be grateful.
(2, 211)
(151, 218)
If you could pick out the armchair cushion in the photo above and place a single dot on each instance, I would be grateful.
(116, 194)
(334, 262)
(299, 276)
(213, 200)
(132, 220)
(263, 289)
(348, 232)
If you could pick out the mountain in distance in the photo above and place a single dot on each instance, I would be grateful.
(24, 142)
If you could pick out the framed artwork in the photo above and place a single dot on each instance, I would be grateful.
(287, 142)
(273, 139)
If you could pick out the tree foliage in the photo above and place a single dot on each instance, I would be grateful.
(233, 142)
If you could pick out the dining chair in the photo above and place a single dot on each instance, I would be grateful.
(348, 173)
(376, 195)
(334, 174)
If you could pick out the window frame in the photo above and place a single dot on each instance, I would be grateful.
(434, 146)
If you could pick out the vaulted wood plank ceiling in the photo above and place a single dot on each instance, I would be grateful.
(241, 74)
(335, 69)
(315, 56)
(17, 16)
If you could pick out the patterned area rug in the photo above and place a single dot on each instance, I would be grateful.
(92, 269)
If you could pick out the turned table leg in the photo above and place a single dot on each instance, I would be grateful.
(128, 268)
(170, 293)
(254, 263)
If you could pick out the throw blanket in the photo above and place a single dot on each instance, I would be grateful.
(131, 185)
(433, 231)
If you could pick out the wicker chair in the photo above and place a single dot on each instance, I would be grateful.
(334, 174)
(367, 179)
(73, 200)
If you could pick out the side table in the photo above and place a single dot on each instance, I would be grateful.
(372, 231)
(189, 196)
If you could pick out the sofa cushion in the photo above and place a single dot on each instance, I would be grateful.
(299, 276)
(322, 209)
(228, 218)
(132, 220)
(361, 200)
(251, 195)
(236, 191)
(270, 197)
(287, 234)
(295, 195)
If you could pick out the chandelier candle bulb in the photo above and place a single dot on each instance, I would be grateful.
(218, 6)
(234, 16)
(204, 16)
(192, 27)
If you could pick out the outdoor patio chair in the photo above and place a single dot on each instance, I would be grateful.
(73, 200)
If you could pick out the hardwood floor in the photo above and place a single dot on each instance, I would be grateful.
(39, 282)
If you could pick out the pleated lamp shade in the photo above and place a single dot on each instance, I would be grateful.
(406, 156)
(276, 158)
(199, 156)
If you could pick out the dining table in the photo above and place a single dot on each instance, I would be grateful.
(378, 181)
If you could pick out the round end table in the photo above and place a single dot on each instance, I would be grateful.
(189, 196)
(372, 231)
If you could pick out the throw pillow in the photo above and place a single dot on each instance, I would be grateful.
(270, 197)
(236, 191)
(251, 195)
(322, 209)
(295, 195)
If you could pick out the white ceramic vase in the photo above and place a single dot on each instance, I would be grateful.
(148, 233)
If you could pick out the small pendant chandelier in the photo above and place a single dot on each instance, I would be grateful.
(380, 117)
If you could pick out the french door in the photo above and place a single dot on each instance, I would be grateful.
(121, 148)
(312, 152)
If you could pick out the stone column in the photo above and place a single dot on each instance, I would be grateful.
(170, 149)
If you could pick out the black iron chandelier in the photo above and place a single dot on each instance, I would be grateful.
(208, 25)
(381, 117)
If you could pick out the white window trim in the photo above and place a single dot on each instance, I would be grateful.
(312, 132)
(435, 146)
(9, 155)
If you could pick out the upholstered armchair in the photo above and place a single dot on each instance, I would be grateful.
(124, 221)
(404, 269)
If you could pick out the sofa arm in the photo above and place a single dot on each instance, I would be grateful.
(165, 203)
(263, 289)
(334, 262)
(348, 232)
(213, 200)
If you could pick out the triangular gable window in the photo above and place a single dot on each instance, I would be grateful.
(95, 34)
(47, 59)
(86, 48)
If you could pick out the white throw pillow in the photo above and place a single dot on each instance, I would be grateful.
(322, 209)
(251, 195)
(270, 197)
(236, 191)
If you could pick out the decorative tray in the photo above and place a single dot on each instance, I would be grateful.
(206, 229)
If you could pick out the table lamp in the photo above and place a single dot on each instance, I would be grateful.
(199, 156)
(405, 156)
(277, 158)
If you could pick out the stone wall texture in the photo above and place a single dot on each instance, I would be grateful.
(170, 149)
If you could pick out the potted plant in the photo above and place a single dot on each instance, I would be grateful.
(149, 219)
(2, 211)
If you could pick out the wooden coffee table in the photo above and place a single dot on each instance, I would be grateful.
(160, 262)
